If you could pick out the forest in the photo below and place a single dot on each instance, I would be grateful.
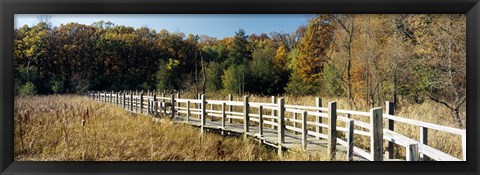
(370, 58)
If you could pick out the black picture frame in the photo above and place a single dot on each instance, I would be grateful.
(10, 7)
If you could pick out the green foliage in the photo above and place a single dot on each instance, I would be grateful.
(263, 78)
(28, 89)
(214, 76)
(233, 79)
(298, 86)
(57, 85)
(239, 52)
(331, 81)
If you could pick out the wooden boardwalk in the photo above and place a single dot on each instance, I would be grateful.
(316, 129)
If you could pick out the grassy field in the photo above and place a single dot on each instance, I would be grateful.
(78, 128)
(75, 128)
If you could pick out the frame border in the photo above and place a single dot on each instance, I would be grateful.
(9, 7)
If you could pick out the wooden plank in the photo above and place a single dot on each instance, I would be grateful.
(412, 152)
(246, 117)
(188, 111)
(318, 119)
(425, 124)
(273, 111)
(332, 132)
(349, 137)
(304, 130)
(390, 109)
(423, 140)
(260, 121)
(376, 132)
(223, 115)
(203, 114)
(281, 124)
(172, 106)
(230, 107)
(141, 102)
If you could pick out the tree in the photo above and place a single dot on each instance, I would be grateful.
(313, 49)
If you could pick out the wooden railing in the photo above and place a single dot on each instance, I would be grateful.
(273, 116)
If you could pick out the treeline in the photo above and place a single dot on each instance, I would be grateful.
(372, 58)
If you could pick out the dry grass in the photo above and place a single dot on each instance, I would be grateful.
(428, 112)
(73, 128)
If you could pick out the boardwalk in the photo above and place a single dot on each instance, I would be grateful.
(316, 129)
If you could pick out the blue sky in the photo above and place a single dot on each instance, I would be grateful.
(216, 25)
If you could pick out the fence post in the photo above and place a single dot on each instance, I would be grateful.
(105, 96)
(281, 124)
(423, 140)
(118, 98)
(141, 102)
(464, 145)
(376, 134)
(223, 115)
(274, 112)
(390, 109)
(332, 130)
(124, 99)
(304, 130)
(188, 111)
(178, 97)
(230, 107)
(131, 101)
(155, 103)
(349, 137)
(172, 106)
(318, 119)
(164, 106)
(412, 152)
(203, 113)
(246, 117)
(260, 121)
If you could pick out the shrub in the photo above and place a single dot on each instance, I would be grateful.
(28, 89)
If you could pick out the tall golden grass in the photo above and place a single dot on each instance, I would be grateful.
(76, 128)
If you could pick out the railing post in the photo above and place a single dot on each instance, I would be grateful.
(141, 102)
(155, 103)
(203, 113)
(172, 106)
(223, 115)
(281, 124)
(332, 130)
(274, 112)
(131, 101)
(412, 152)
(246, 117)
(464, 145)
(118, 98)
(124, 99)
(164, 106)
(318, 119)
(376, 134)
(230, 107)
(178, 97)
(304, 130)
(188, 111)
(423, 140)
(349, 137)
(390, 110)
(260, 121)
